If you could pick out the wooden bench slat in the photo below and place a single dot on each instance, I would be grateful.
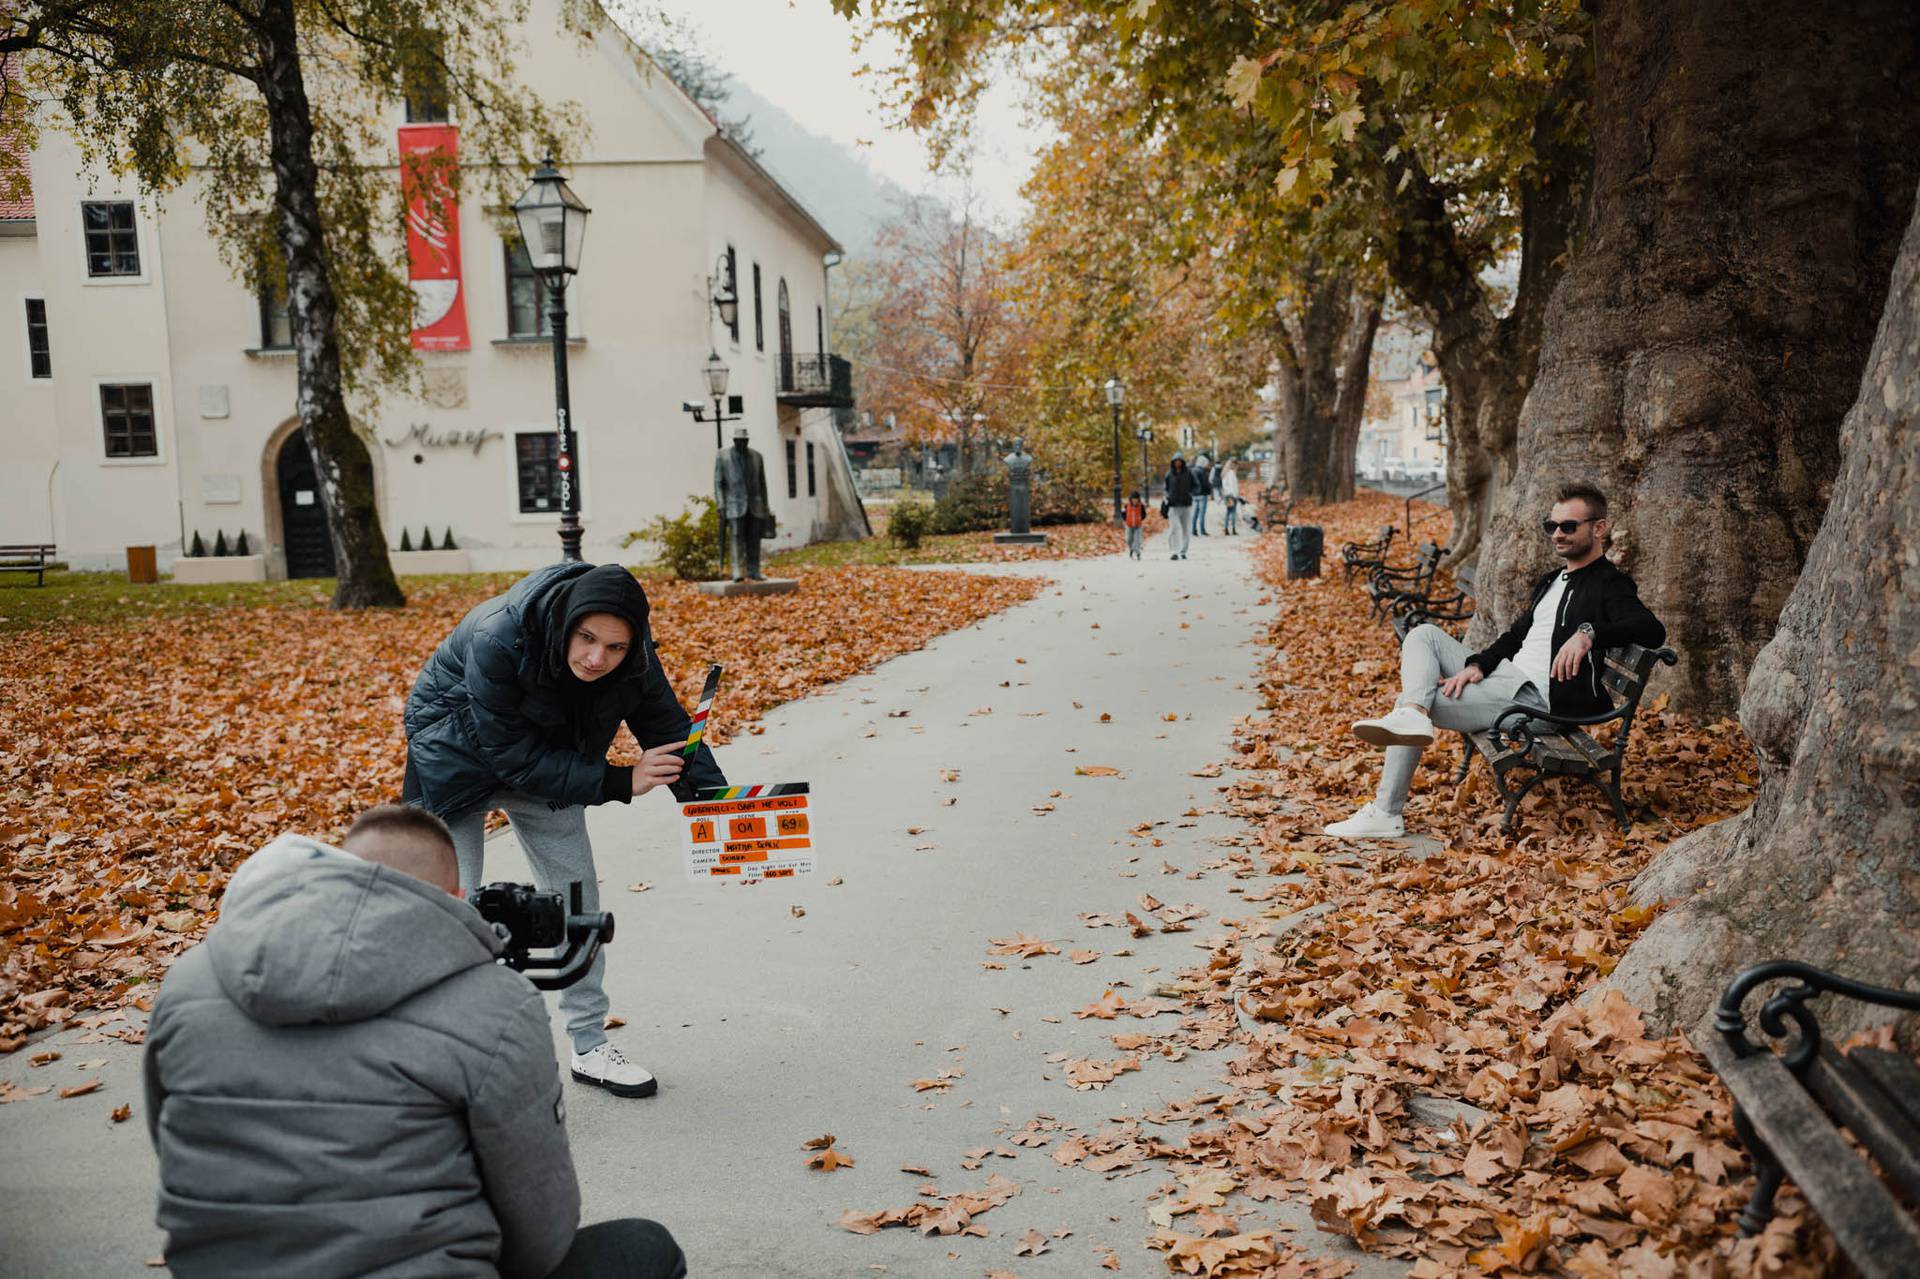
(1853, 1098)
(1898, 1077)
(1873, 1229)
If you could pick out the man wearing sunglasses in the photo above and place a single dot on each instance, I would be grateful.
(1548, 658)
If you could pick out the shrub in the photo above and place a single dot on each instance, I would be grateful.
(240, 547)
(426, 538)
(220, 543)
(199, 551)
(910, 522)
(689, 542)
(406, 539)
(978, 502)
(446, 543)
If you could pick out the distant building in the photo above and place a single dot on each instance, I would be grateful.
(150, 396)
(1403, 434)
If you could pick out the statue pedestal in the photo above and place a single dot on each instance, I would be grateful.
(768, 586)
(1019, 539)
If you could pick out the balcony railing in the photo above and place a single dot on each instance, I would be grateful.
(815, 382)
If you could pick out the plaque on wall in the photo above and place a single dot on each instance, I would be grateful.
(445, 387)
(213, 403)
(220, 490)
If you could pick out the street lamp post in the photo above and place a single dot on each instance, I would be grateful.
(1116, 395)
(553, 222)
(1145, 436)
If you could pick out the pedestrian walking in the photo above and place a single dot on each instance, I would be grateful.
(1177, 506)
(1230, 498)
(1135, 517)
(515, 711)
(1202, 491)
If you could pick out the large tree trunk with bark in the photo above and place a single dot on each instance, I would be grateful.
(1486, 360)
(1825, 866)
(1754, 164)
(1322, 350)
(344, 470)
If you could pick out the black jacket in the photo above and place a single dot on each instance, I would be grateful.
(1203, 481)
(1598, 593)
(496, 709)
(1179, 486)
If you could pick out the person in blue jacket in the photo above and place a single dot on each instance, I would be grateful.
(515, 711)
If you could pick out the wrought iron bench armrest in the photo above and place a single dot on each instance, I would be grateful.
(1522, 737)
(1791, 1005)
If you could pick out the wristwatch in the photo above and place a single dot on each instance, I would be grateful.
(1585, 628)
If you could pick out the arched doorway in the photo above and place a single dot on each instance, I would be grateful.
(303, 520)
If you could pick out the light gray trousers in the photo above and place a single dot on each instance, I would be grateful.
(1427, 656)
(556, 844)
(1179, 529)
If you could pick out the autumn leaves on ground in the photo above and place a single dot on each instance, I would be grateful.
(1411, 1055)
(144, 761)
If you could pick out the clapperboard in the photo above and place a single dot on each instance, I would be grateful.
(744, 834)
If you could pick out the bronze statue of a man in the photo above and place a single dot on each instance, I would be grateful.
(740, 494)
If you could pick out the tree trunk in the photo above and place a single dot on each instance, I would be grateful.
(344, 470)
(1824, 867)
(1487, 361)
(1754, 164)
(1323, 354)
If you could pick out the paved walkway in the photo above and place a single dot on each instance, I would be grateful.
(768, 1029)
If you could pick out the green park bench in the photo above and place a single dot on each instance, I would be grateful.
(27, 557)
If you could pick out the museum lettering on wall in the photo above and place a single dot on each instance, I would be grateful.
(420, 435)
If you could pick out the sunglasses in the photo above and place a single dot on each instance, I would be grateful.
(1568, 527)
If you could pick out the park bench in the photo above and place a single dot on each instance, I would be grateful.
(1789, 1109)
(1274, 511)
(1444, 611)
(27, 557)
(1360, 557)
(1525, 737)
(1388, 583)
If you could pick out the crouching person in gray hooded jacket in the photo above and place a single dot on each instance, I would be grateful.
(342, 1080)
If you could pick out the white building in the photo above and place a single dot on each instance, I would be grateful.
(1403, 433)
(147, 396)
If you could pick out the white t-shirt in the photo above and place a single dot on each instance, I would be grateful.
(1534, 661)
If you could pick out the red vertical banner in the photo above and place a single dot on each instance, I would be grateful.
(427, 153)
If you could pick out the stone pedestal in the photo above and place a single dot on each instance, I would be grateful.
(408, 563)
(1019, 539)
(769, 586)
(204, 569)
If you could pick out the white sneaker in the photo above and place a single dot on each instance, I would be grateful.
(1369, 823)
(604, 1067)
(1401, 726)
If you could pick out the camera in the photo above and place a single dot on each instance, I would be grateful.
(528, 919)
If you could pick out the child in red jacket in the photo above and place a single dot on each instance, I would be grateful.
(1136, 519)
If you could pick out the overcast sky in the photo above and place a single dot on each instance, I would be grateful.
(799, 55)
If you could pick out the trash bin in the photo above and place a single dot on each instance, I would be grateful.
(1303, 550)
(142, 564)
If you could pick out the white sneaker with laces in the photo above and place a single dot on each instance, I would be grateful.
(1371, 822)
(604, 1067)
(1401, 726)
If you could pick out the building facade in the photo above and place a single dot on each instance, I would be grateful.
(148, 396)
(1403, 435)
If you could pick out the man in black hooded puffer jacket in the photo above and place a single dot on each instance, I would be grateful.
(515, 711)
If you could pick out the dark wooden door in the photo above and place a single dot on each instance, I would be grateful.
(303, 520)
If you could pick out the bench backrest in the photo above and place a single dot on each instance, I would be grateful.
(1624, 672)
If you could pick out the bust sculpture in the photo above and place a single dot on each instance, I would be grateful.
(1019, 489)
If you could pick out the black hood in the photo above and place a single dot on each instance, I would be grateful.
(605, 588)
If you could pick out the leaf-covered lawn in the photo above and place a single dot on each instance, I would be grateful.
(142, 758)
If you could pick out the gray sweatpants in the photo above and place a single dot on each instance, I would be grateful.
(1179, 529)
(556, 844)
(1428, 656)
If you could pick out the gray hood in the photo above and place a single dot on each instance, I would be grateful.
(308, 933)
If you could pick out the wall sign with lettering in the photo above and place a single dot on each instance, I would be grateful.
(420, 435)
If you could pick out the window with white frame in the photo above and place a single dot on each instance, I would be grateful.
(276, 317)
(126, 419)
(529, 311)
(536, 459)
(39, 350)
(113, 237)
